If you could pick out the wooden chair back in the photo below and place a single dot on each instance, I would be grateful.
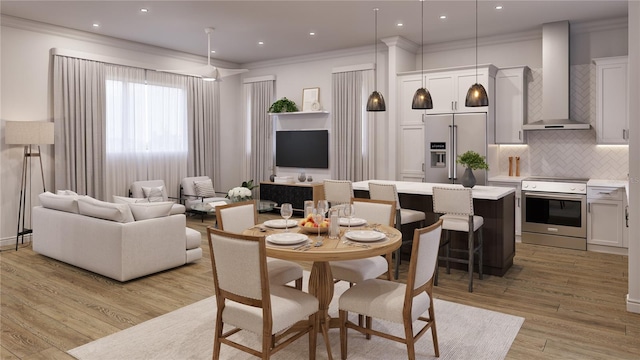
(237, 217)
(375, 211)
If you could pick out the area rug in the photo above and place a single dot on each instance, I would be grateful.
(464, 332)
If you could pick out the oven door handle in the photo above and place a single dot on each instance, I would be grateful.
(554, 196)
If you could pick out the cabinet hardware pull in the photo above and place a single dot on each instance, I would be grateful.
(588, 207)
(422, 166)
(519, 134)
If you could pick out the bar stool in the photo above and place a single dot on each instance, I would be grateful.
(389, 192)
(456, 207)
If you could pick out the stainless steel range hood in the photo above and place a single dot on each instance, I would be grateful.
(555, 81)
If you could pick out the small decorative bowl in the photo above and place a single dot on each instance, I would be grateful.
(314, 230)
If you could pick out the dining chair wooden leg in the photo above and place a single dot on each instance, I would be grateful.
(217, 336)
(434, 333)
(343, 335)
(480, 252)
(471, 256)
(299, 284)
(409, 340)
(368, 321)
(313, 336)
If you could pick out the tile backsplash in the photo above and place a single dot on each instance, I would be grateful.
(567, 153)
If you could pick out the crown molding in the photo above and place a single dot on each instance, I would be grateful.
(402, 43)
(44, 28)
(310, 57)
(599, 25)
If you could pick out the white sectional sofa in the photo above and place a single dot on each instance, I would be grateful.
(111, 239)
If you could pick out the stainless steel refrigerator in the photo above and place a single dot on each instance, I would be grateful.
(450, 135)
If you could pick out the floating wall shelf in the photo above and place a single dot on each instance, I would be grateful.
(299, 113)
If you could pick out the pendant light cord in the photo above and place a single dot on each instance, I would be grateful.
(476, 41)
(422, 42)
(375, 52)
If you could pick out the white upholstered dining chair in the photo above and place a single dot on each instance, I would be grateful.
(237, 217)
(247, 300)
(337, 192)
(389, 192)
(355, 271)
(397, 302)
(456, 207)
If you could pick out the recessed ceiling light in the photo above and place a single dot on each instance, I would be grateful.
(498, 7)
(442, 17)
(96, 25)
(213, 51)
(260, 42)
(312, 33)
(144, 10)
(399, 24)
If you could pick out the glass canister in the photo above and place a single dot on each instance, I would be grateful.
(334, 224)
(308, 208)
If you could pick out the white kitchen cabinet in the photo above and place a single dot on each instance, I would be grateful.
(411, 130)
(408, 85)
(606, 221)
(518, 209)
(449, 88)
(511, 105)
(612, 120)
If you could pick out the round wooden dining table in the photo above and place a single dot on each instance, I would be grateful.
(321, 283)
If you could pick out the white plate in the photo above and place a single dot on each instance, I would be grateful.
(365, 235)
(287, 238)
(280, 223)
(354, 221)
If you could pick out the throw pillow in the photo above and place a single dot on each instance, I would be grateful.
(150, 210)
(105, 210)
(66, 192)
(68, 203)
(153, 194)
(204, 188)
(128, 200)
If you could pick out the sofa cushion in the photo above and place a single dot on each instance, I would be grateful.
(104, 210)
(127, 200)
(204, 188)
(66, 192)
(154, 194)
(68, 203)
(150, 210)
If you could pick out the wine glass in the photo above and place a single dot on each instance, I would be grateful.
(286, 211)
(318, 218)
(323, 206)
(349, 211)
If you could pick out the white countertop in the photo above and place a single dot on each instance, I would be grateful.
(507, 178)
(420, 188)
(608, 183)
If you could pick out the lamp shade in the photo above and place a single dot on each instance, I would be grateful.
(28, 133)
(376, 102)
(422, 100)
(476, 96)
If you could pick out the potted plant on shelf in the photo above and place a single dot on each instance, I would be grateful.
(283, 105)
(472, 161)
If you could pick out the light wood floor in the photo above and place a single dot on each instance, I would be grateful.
(573, 302)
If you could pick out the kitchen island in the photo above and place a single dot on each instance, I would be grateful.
(495, 204)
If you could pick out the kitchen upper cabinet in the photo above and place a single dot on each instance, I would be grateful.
(511, 105)
(606, 220)
(449, 88)
(408, 85)
(612, 120)
(411, 130)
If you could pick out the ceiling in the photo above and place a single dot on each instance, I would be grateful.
(284, 26)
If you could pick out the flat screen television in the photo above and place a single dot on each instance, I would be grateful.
(303, 149)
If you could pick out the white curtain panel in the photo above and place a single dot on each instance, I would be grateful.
(260, 96)
(78, 108)
(353, 139)
(203, 104)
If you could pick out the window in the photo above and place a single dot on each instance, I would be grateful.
(144, 118)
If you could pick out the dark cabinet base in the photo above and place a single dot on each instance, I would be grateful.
(296, 194)
(498, 229)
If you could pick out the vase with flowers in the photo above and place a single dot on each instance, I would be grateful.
(243, 192)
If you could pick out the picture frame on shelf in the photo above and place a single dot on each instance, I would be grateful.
(311, 99)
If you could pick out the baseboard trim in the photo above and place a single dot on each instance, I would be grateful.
(633, 305)
(12, 241)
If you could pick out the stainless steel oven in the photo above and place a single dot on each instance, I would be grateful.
(554, 212)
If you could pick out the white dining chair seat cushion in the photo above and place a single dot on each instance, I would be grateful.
(288, 306)
(410, 216)
(355, 271)
(460, 222)
(282, 272)
(382, 299)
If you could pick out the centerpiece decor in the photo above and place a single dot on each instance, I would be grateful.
(283, 105)
(243, 192)
(472, 161)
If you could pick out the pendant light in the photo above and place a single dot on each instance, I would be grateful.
(376, 101)
(422, 97)
(477, 95)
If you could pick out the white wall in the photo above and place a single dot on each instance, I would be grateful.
(25, 96)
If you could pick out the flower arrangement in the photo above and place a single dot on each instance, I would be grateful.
(239, 193)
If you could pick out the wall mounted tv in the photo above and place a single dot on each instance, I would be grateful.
(303, 149)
